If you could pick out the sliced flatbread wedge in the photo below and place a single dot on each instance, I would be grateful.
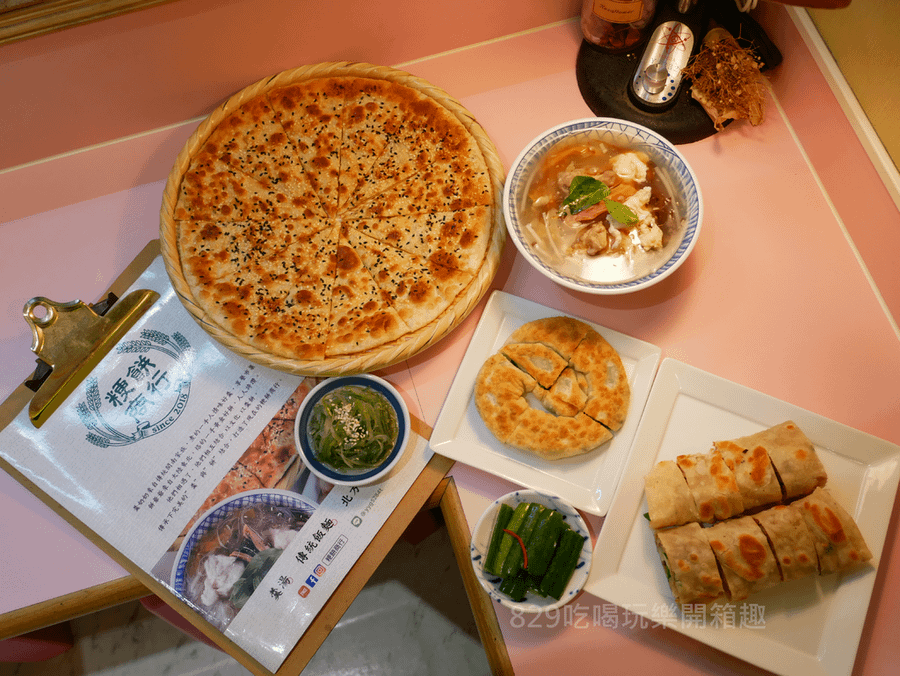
(360, 317)
(609, 394)
(214, 191)
(563, 334)
(451, 239)
(567, 396)
(403, 278)
(554, 437)
(251, 141)
(375, 153)
(311, 114)
(281, 297)
(540, 361)
(500, 389)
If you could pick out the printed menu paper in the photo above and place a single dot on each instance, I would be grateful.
(181, 455)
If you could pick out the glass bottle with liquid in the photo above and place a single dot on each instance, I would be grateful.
(616, 25)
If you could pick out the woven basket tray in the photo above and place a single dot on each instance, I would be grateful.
(381, 356)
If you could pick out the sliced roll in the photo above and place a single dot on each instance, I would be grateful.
(839, 543)
(745, 558)
(792, 455)
(756, 479)
(712, 484)
(791, 541)
(669, 499)
(690, 564)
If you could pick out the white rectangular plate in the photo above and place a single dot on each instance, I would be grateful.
(587, 481)
(810, 626)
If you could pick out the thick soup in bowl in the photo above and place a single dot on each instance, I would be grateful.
(600, 211)
(602, 205)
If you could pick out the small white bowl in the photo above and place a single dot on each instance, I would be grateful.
(481, 538)
(351, 477)
(683, 184)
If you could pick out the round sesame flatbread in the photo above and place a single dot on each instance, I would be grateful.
(334, 220)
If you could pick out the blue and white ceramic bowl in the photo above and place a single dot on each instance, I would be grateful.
(351, 477)
(682, 183)
(481, 538)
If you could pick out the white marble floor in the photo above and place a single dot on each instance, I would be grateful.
(412, 618)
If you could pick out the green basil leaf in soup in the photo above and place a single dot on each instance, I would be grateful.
(620, 212)
(584, 192)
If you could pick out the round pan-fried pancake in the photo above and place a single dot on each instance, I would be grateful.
(332, 219)
(578, 382)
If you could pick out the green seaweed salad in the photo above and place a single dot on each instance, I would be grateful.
(353, 428)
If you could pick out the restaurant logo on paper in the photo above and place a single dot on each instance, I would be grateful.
(142, 393)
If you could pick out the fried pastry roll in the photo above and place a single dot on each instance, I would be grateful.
(669, 499)
(791, 541)
(838, 540)
(745, 558)
(690, 564)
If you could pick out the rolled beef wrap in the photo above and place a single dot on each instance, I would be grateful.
(669, 500)
(791, 541)
(754, 473)
(839, 543)
(744, 555)
(793, 456)
(713, 485)
(689, 563)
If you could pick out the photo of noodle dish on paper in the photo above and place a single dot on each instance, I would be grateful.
(247, 521)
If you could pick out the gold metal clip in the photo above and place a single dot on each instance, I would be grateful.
(72, 339)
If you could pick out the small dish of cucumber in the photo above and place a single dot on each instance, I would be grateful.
(531, 551)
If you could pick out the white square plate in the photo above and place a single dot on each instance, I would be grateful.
(810, 626)
(587, 481)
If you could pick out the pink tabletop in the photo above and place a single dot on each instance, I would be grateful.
(787, 292)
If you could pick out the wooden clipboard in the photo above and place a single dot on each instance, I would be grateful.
(432, 490)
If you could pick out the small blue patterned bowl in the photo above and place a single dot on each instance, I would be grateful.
(682, 182)
(481, 538)
(356, 477)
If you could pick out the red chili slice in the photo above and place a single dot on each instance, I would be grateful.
(522, 545)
